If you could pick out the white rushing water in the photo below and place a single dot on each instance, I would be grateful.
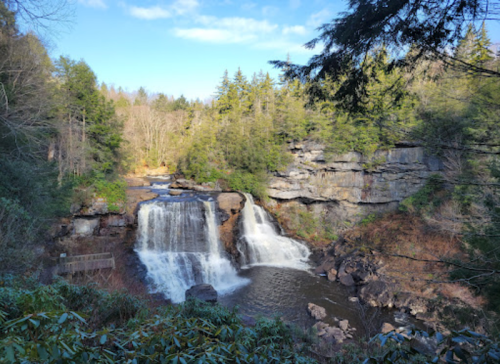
(262, 245)
(161, 186)
(179, 244)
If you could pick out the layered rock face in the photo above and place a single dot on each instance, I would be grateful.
(229, 208)
(349, 186)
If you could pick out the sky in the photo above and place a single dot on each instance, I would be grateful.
(183, 47)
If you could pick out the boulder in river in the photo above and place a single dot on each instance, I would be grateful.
(331, 334)
(378, 294)
(203, 292)
(344, 325)
(332, 275)
(347, 280)
(316, 311)
(386, 328)
(184, 184)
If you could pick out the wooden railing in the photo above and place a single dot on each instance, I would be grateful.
(83, 263)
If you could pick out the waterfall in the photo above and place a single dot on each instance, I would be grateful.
(262, 245)
(179, 244)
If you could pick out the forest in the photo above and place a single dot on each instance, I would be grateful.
(65, 136)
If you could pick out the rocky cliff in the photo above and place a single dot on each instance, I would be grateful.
(344, 188)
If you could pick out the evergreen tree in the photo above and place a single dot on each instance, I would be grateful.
(223, 94)
(93, 130)
(141, 98)
(482, 52)
(242, 88)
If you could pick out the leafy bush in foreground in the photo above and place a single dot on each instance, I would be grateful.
(40, 325)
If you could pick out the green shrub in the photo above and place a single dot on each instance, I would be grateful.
(114, 192)
(18, 230)
(424, 201)
(369, 219)
(36, 329)
(248, 182)
(110, 188)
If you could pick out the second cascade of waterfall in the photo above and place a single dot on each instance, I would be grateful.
(262, 245)
(178, 243)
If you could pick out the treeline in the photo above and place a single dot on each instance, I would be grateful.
(235, 140)
(57, 134)
(242, 134)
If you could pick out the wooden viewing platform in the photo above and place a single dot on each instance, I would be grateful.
(85, 263)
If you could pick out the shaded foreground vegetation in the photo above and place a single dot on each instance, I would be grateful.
(63, 323)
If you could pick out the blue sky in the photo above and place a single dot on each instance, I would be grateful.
(183, 46)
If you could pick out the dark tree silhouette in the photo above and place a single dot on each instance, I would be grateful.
(410, 29)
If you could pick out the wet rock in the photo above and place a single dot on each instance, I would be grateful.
(387, 327)
(347, 280)
(136, 182)
(341, 273)
(134, 197)
(248, 321)
(344, 325)
(320, 326)
(85, 227)
(317, 312)
(207, 187)
(114, 221)
(319, 270)
(185, 184)
(335, 333)
(230, 202)
(377, 294)
(229, 205)
(332, 275)
(175, 192)
(353, 299)
(223, 215)
(329, 264)
(203, 292)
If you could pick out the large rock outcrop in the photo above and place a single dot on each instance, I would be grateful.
(229, 207)
(349, 186)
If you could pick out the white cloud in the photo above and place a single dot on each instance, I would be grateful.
(296, 29)
(319, 18)
(154, 12)
(238, 24)
(226, 30)
(213, 35)
(182, 7)
(178, 7)
(94, 3)
(294, 4)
